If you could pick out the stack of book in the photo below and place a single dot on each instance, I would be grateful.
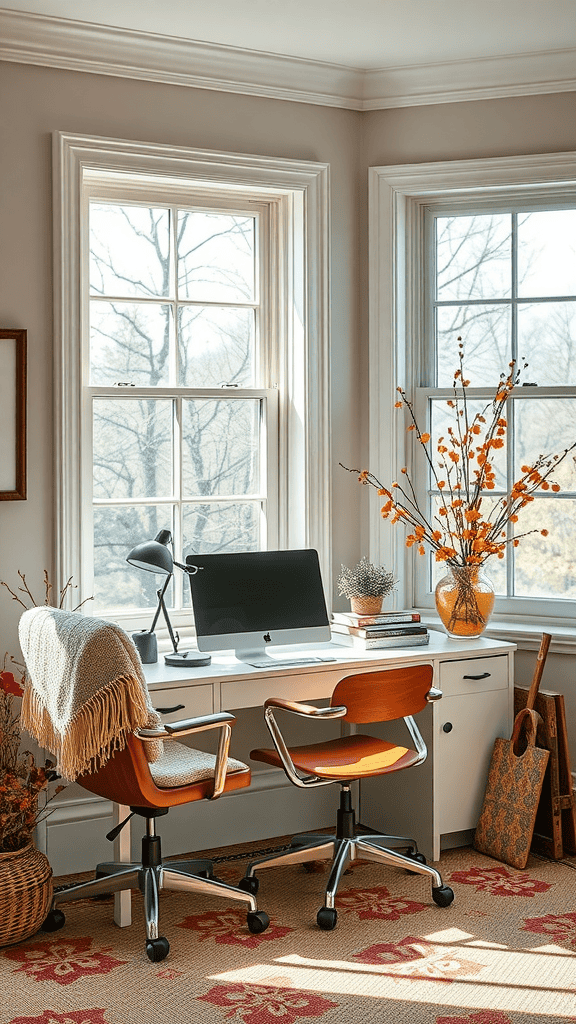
(371, 632)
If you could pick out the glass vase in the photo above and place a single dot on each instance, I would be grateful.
(464, 601)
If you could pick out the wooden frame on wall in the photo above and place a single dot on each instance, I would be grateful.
(12, 414)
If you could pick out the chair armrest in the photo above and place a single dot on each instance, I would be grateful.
(307, 710)
(185, 726)
(189, 725)
(222, 720)
(433, 694)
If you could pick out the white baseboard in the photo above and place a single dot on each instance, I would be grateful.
(75, 833)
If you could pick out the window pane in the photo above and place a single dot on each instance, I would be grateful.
(222, 527)
(216, 257)
(547, 253)
(129, 250)
(116, 532)
(132, 448)
(443, 417)
(473, 255)
(220, 446)
(485, 331)
(129, 342)
(546, 427)
(547, 339)
(546, 566)
(216, 346)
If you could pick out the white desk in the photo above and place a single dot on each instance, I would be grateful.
(477, 704)
(440, 806)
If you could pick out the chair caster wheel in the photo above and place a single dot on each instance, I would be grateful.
(326, 918)
(442, 895)
(415, 856)
(257, 921)
(157, 949)
(53, 921)
(249, 884)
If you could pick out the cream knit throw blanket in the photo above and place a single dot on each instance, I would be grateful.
(85, 690)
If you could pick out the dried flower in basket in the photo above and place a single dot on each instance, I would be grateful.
(21, 779)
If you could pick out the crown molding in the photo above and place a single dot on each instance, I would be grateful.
(104, 50)
(460, 81)
(124, 53)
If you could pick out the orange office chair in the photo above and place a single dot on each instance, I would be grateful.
(180, 776)
(86, 701)
(380, 696)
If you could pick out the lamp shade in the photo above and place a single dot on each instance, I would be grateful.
(153, 555)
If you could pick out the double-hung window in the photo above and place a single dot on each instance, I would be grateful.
(488, 256)
(191, 362)
(184, 432)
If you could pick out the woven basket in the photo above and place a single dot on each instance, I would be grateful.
(25, 893)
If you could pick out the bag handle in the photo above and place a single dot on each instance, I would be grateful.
(538, 670)
(525, 726)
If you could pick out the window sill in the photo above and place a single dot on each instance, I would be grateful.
(526, 635)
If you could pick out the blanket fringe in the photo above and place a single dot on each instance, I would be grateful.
(101, 726)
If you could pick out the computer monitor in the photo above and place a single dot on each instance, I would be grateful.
(250, 601)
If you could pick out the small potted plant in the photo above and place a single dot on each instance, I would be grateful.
(366, 586)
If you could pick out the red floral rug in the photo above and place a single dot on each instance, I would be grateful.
(503, 953)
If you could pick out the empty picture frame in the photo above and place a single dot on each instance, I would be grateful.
(12, 415)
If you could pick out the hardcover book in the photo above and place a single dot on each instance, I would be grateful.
(392, 629)
(354, 619)
(380, 642)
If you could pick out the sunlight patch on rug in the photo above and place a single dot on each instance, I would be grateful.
(527, 981)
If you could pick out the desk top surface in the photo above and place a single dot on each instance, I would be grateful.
(225, 667)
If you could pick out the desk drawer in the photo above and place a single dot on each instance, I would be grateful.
(300, 687)
(182, 702)
(473, 675)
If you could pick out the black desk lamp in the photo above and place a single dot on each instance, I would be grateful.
(154, 556)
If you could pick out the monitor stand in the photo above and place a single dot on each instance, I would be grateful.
(248, 654)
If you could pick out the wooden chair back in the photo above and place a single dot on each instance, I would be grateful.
(383, 695)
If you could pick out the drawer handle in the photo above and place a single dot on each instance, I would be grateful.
(168, 711)
(483, 675)
(447, 727)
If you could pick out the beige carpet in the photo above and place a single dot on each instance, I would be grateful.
(503, 953)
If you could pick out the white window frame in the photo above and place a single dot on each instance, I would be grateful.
(297, 196)
(399, 196)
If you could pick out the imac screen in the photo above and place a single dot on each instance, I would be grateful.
(252, 599)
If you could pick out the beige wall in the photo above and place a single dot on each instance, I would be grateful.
(36, 101)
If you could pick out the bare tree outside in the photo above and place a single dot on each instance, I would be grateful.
(506, 283)
(173, 305)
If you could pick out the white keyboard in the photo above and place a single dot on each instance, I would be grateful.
(269, 662)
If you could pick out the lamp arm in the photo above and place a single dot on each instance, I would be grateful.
(190, 569)
(167, 620)
(160, 596)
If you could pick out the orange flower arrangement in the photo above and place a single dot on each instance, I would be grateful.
(470, 525)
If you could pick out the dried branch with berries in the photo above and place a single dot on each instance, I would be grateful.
(469, 525)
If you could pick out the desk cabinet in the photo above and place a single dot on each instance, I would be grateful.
(439, 803)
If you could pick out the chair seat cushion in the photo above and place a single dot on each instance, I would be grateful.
(348, 757)
(180, 765)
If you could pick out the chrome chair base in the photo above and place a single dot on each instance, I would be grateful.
(151, 876)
